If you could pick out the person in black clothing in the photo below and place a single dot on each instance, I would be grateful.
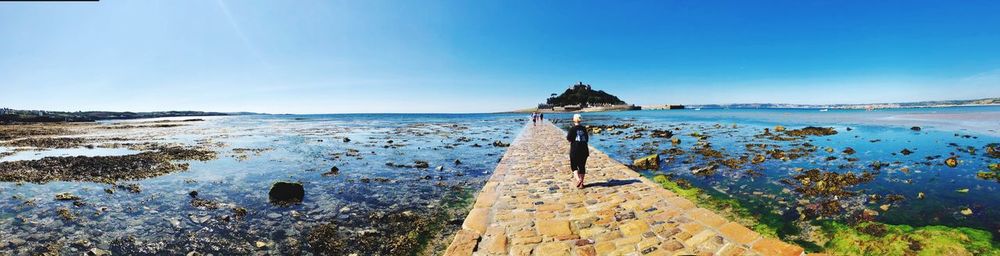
(578, 150)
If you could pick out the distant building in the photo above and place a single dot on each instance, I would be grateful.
(579, 85)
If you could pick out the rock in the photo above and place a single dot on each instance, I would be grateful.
(650, 162)
(175, 223)
(905, 152)
(869, 212)
(964, 190)
(333, 171)
(260, 244)
(675, 141)
(66, 214)
(829, 150)
(286, 193)
(420, 164)
(951, 161)
(813, 131)
(501, 144)
(439, 168)
(193, 193)
(779, 128)
(347, 140)
(662, 133)
(884, 207)
(199, 219)
(849, 151)
(915, 128)
(458, 162)
(995, 167)
(966, 211)
(66, 196)
(97, 252)
(920, 195)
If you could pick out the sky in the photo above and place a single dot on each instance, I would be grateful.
(484, 56)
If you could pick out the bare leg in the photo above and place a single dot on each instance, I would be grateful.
(579, 180)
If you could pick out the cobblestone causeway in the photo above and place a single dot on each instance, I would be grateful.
(531, 207)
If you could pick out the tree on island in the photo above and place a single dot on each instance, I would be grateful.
(581, 94)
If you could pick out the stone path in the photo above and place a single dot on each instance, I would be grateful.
(531, 207)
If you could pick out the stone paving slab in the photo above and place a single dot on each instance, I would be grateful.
(531, 207)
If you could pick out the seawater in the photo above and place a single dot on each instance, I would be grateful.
(295, 148)
(877, 136)
(300, 148)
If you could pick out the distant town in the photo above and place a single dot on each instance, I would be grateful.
(582, 97)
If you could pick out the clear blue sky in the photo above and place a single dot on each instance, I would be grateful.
(479, 56)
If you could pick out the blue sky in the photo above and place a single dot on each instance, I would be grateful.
(482, 56)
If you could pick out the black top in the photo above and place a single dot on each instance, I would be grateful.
(578, 137)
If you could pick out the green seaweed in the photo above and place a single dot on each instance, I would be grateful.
(757, 218)
(873, 238)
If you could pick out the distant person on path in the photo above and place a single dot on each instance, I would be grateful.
(541, 116)
(578, 151)
(534, 118)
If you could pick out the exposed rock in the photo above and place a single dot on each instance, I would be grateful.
(347, 140)
(333, 171)
(66, 214)
(662, 134)
(500, 144)
(966, 211)
(812, 130)
(915, 128)
(421, 164)
(920, 195)
(650, 162)
(779, 128)
(906, 152)
(951, 161)
(102, 169)
(849, 151)
(66, 196)
(286, 193)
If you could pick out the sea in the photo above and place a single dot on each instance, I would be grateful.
(378, 160)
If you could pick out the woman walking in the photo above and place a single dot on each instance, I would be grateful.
(578, 151)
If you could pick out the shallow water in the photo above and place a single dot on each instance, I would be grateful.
(291, 148)
(161, 218)
(876, 136)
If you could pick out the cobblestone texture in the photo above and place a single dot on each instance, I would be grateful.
(531, 207)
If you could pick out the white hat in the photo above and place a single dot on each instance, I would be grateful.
(577, 117)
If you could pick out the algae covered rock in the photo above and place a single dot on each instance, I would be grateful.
(286, 193)
(951, 162)
(650, 162)
(873, 238)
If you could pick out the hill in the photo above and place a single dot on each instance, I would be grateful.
(582, 94)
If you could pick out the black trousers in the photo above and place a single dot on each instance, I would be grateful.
(578, 163)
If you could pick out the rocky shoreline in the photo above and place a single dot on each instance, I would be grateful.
(197, 186)
(687, 158)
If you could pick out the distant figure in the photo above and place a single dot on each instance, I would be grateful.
(534, 118)
(578, 151)
(541, 116)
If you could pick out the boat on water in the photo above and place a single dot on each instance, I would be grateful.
(824, 110)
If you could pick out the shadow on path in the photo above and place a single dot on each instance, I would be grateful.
(612, 183)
